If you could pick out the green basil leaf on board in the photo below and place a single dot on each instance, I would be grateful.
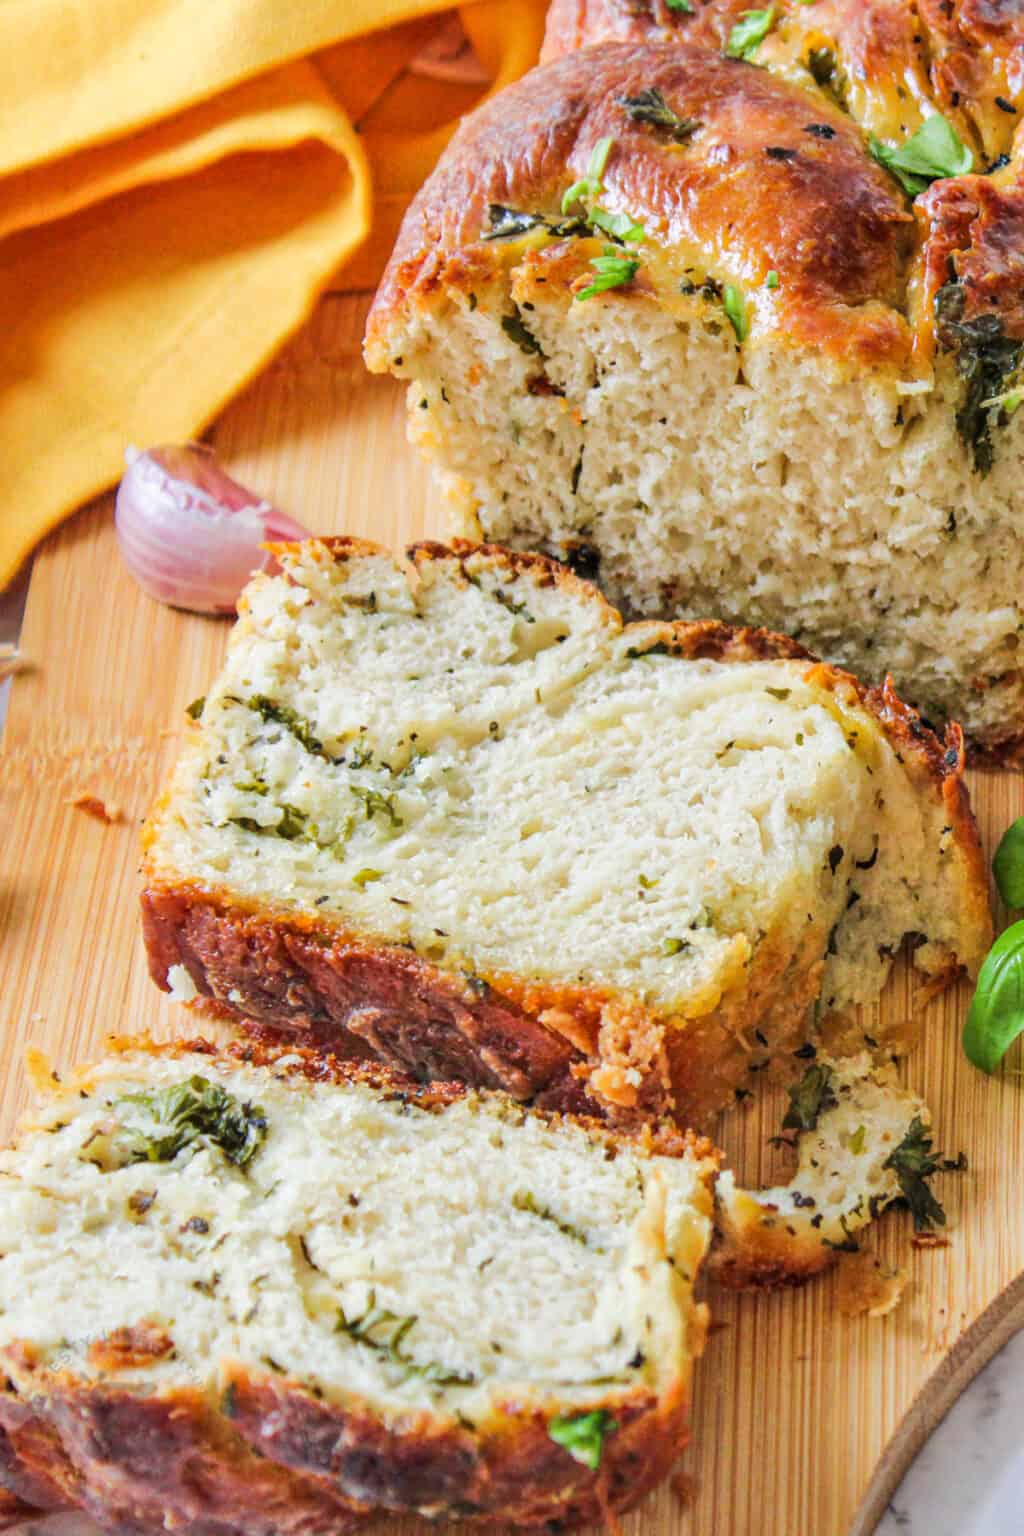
(1008, 864)
(996, 1015)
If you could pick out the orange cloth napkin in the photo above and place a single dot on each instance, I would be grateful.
(179, 179)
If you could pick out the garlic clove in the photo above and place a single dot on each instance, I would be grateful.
(189, 534)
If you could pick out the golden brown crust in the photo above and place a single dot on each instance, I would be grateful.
(136, 1462)
(752, 190)
(278, 1461)
(964, 58)
(572, 1048)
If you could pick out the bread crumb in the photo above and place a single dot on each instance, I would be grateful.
(929, 1240)
(98, 809)
(684, 1487)
(181, 988)
(867, 1284)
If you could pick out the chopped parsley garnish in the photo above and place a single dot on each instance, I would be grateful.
(611, 271)
(589, 187)
(651, 107)
(914, 1164)
(935, 150)
(735, 308)
(515, 329)
(809, 1099)
(749, 33)
(195, 709)
(620, 226)
(986, 360)
(184, 1115)
(772, 279)
(679, 5)
(779, 693)
(857, 1140)
(365, 877)
(583, 1436)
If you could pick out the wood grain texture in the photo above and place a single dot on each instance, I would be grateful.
(795, 1406)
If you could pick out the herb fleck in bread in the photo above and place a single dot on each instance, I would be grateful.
(794, 404)
(470, 823)
(247, 1290)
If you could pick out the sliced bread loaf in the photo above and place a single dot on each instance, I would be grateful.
(674, 314)
(469, 822)
(251, 1291)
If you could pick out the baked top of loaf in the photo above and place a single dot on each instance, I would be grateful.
(889, 63)
(694, 318)
(482, 773)
(414, 1293)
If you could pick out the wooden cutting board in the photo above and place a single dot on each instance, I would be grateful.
(802, 1417)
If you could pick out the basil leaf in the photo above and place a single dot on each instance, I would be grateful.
(1008, 864)
(679, 5)
(583, 1436)
(934, 151)
(996, 1015)
(749, 33)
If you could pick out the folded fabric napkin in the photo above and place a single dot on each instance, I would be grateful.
(179, 179)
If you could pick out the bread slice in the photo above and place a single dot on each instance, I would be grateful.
(254, 1290)
(768, 387)
(469, 822)
(862, 1143)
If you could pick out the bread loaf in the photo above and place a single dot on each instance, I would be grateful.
(671, 315)
(470, 823)
(251, 1291)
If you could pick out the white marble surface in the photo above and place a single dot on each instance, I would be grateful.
(968, 1480)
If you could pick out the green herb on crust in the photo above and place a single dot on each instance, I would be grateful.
(809, 1099)
(611, 271)
(683, 6)
(936, 150)
(512, 224)
(583, 1435)
(651, 107)
(749, 33)
(589, 187)
(735, 308)
(365, 877)
(195, 709)
(620, 226)
(986, 359)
